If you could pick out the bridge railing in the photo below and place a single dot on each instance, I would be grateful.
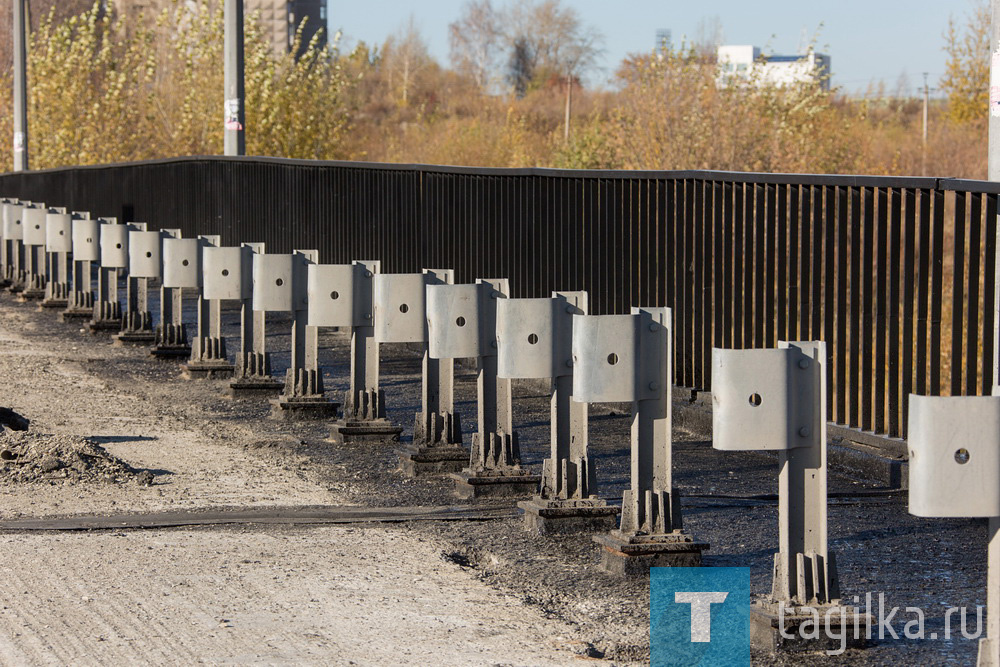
(897, 275)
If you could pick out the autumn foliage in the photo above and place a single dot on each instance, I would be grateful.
(106, 87)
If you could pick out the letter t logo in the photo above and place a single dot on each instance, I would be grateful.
(701, 614)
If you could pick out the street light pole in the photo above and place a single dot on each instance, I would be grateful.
(235, 119)
(20, 88)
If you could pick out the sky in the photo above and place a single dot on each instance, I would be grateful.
(876, 40)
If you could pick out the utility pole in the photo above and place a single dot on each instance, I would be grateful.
(993, 171)
(20, 87)
(926, 96)
(569, 104)
(923, 150)
(235, 138)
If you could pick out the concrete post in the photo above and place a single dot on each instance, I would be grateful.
(58, 245)
(535, 338)
(627, 358)
(114, 258)
(776, 400)
(235, 116)
(273, 290)
(181, 269)
(86, 247)
(401, 318)
(5, 268)
(461, 323)
(225, 274)
(954, 453)
(13, 269)
(144, 262)
(20, 41)
(34, 218)
(304, 397)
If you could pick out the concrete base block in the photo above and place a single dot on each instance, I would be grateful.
(105, 326)
(567, 517)
(258, 387)
(171, 352)
(203, 370)
(417, 460)
(52, 304)
(31, 295)
(353, 431)
(77, 314)
(294, 409)
(513, 483)
(135, 338)
(773, 633)
(632, 556)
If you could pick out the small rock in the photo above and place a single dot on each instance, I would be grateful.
(144, 478)
(49, 463)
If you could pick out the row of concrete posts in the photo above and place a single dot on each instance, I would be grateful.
(770, 400)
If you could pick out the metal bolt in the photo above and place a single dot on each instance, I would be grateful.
(652, 327)
(654, 386)
(569, 363)
(805, 432)
(368, 274)
(803, 363)
(494, 344)
(368, 316)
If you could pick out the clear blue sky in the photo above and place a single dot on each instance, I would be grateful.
(873, 40)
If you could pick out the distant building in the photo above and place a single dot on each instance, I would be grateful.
(281, 18)
(745, 63)
(663, 42)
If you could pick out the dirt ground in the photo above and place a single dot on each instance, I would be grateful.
(429, 592)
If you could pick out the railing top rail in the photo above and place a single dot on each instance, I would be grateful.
(917, 182)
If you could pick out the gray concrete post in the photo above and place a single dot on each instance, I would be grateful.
(144, 262)
(627, 358)
(776, 400)
(221, 278)
(34, 221)
(535, 338)
(86, 248)
(461, 323)
(304, 396)
(181, 269)
(954, 454)
(58, 245)
(114, 258)
(274, 279)
(5, 273)
(345, 297)
(401, 317)
(13, 271)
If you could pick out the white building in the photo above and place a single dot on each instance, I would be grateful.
(744, 62)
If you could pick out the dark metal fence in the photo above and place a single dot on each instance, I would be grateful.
(896, 274)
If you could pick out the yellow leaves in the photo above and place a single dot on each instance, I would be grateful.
(967, 70)
(107, 87)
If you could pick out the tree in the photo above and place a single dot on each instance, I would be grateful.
(520, 70)
(967, 71)
(404, 55)
(543, 39)
(475, 42)
(558, 42)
